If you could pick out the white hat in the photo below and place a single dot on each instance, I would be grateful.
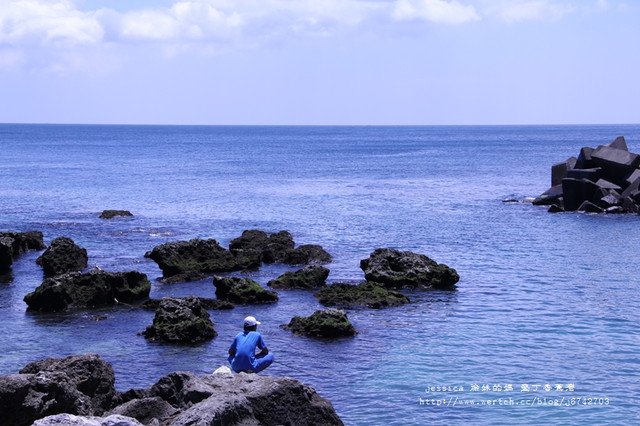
(251, 321)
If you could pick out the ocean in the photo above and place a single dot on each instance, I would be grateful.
(542, 329)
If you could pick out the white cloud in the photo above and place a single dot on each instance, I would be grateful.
(55, 22)
(213, 25)
(533, 10)
(437, 11)
(183, 21)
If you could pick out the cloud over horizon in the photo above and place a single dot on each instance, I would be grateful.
(213, 25)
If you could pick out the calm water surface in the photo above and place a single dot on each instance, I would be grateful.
(543, 299)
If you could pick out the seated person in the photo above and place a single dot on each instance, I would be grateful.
(242, 353)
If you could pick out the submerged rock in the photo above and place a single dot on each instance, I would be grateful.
(13, 244)
(367, 294)
(397, 269)
(242, 290)
(192, 257)
(327, 323)
(183, 320)
(88, 290)
(110, 214)
(307, 278)
(62, 256)
(81, 384)
(597, 181)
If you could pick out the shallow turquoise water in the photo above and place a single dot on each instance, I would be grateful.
(543, 299)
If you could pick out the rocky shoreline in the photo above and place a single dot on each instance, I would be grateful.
(67, 286)
(79, 390)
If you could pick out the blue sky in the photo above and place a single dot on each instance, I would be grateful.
(320, 61)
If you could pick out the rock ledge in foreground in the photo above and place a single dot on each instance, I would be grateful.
(79, 384)
(78, 389)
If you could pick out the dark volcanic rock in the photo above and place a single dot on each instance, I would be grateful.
(242, 290)
(77, 385)
(254, 247)
(13, 244)
(145, 410)
(327, 323)
(396, 269)
(83, 387)
(73, 420)
(307, 254)
(242, 400)
(192, 257)
(6, 253)
(258, 246)
(183, 320)
(208, 303)
(90, 374)
(195, 259)
(181, 389)
(310, 277)
(554, 208)
(62, 256)
(110, 214)
(91, 289)
(367, 294)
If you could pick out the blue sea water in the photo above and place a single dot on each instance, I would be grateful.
(544, 299)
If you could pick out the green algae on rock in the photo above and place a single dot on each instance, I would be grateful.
(366, 294)
(327, 323)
